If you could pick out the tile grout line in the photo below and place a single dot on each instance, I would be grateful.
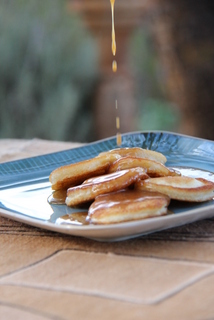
(102, 295)
(116, 255)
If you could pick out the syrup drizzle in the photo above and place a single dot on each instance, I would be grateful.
(113, 44)
(114, 66)
(114, 69)
(119, 138)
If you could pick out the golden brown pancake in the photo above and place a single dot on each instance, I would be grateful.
(137, 152)
(74, 174)
(180, 188)
(127, 205)
(103, 184)
(153, 168)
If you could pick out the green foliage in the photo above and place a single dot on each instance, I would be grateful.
(48, 70)
(155, 111)
(158, 115)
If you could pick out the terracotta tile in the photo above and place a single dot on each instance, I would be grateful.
(22, 245)
(13, 312)
(131, 279)
(14, 149)
(186, 304)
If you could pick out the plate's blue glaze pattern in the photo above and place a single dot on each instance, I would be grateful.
(24, 182)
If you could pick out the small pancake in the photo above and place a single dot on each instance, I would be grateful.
(127, 205)
(153, 168)
(75, 173)
(138, 152)
(180, 188)
(103, 184)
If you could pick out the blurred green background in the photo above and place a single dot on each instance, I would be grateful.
(49, 69)
(155, 111)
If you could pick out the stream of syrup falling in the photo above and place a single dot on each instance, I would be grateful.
(113, 44)
(114, 69)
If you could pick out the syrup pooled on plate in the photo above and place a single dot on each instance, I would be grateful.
(76, 218)
(58, 197)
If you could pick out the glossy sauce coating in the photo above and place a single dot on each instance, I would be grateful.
(126, 205)
(103, 184)
(124, 176)
(154, 168)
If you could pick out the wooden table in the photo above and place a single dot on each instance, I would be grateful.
(45, 275)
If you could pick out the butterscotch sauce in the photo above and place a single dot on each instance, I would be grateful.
(126, 205)
(107, 203)
(113, 45)
(124, 197)
(57, 197)
(129, 176)
(76, 218)
(114, 66)
(119, 139)
(117, 122)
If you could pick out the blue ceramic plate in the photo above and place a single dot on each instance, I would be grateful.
(25, 187)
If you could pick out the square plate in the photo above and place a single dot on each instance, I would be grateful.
(25, 187)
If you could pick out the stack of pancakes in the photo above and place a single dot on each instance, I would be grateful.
(127, 184)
